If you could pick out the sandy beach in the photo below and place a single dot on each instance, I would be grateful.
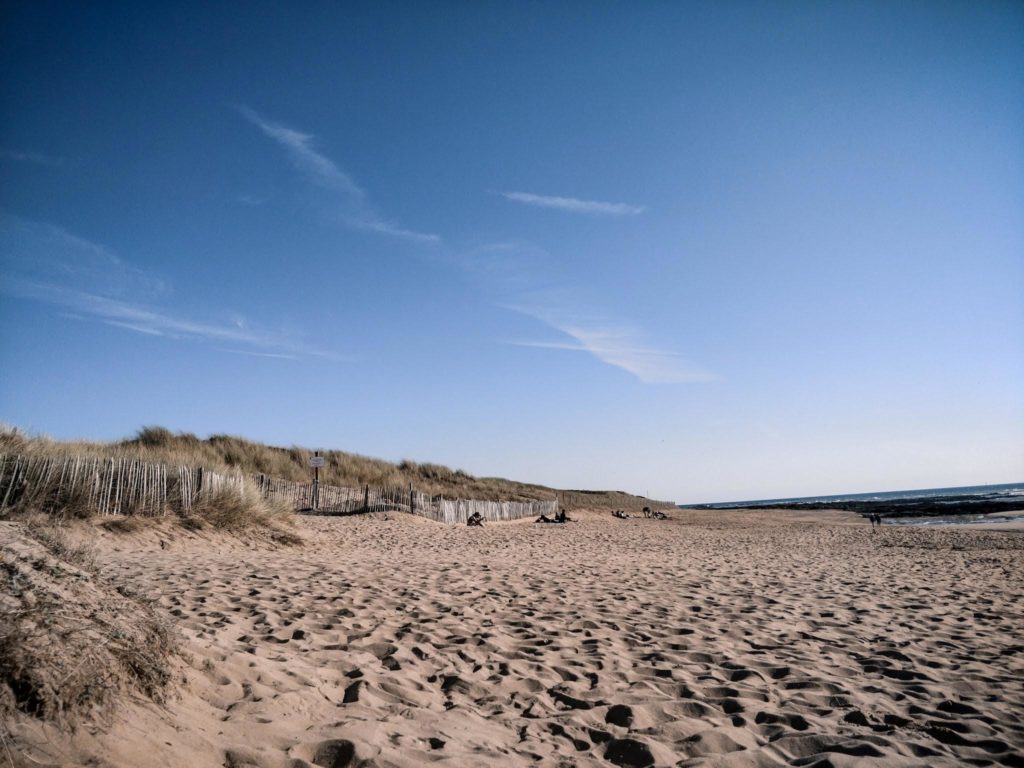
(715, 638)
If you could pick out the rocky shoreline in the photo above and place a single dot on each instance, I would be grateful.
(935, 506)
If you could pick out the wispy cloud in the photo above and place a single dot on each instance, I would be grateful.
(35, 158)
(47, 253)
(272, 355)
(155, 322)
(383, 226)
(323, 172)
(505, 268)
(527, 279)
(575, 205)
(616, 344)
(304, 156)
(87, 281)
(143, 329)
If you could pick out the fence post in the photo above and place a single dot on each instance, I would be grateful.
(316, 484)
(366, 498)
(412, 500)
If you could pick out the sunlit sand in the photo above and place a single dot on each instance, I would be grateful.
(737, 638)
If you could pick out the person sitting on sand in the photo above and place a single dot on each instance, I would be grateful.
(561, 517)
(543, 519)
(475, 519)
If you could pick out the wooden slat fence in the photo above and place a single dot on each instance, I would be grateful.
(115, 486)
(458, 510)
(340, 500)
(299, 496)
(124, 486)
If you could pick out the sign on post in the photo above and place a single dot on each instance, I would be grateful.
(316, 461)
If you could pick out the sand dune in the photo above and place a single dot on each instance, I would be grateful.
(725, 639)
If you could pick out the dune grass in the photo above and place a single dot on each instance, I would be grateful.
(238, 510)
(226, 453)
(70, 639)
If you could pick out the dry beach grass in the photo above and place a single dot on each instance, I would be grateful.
(72, 643)
(736, 639)
(227, 453)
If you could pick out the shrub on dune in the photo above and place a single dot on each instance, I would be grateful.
(237, 510)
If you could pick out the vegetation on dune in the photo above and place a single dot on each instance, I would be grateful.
(238, 510)
(226, 453)
(234, 508)
(71, 640)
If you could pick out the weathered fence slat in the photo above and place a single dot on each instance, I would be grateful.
(118, 486)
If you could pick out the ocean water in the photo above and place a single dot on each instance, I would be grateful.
(1009, 493)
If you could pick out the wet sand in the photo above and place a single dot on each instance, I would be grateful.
(717, 638)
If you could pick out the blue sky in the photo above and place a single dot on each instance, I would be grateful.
(705, 251)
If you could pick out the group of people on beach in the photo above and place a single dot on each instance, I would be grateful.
(559, 517)
(648, 512)
(476, 519)
(876, 520)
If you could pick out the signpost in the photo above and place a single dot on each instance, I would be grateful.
(316, 461)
